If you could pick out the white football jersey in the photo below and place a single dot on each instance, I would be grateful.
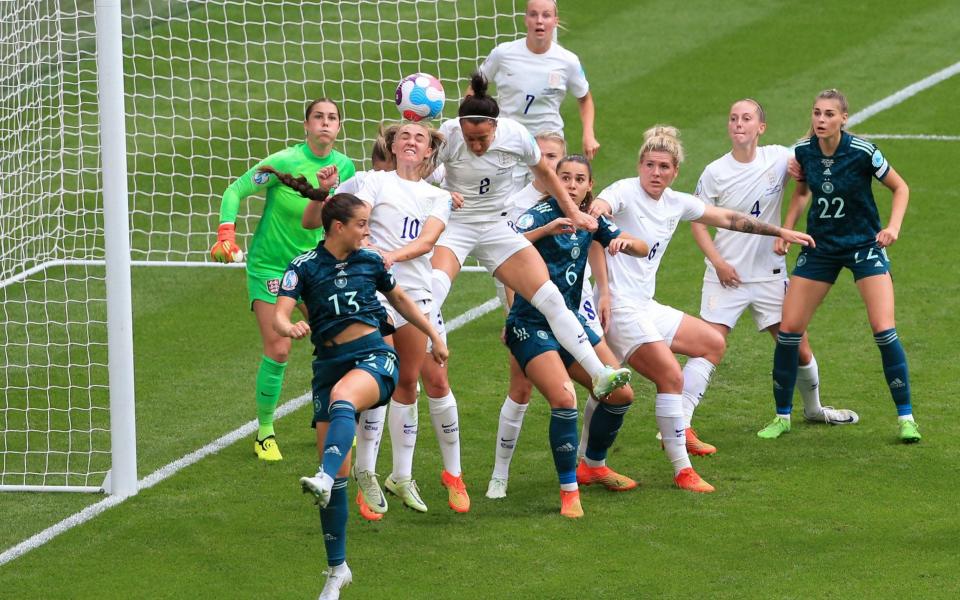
(399, 210)
(631, 279)
(754, 188)
(352, 185)
(524, 200)
(531, 87)
(486, 182)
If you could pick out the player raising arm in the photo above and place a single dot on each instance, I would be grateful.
(279, 237)
(838, 168)
(643, 332)
(747, 271)
(354, 368)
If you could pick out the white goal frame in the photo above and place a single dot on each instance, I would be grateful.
(448, 38)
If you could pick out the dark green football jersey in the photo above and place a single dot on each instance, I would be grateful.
(338, 292)
(843, 213)
(565, 255)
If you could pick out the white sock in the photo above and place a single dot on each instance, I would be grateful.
(696, 378)
(905, 417)
(669, 413)
(588, 408)
(369, 434)
(569, 487)
(566, 327)
(808, 383)
(508, 432)
(446, 423)
(403, 420)
(439, 287)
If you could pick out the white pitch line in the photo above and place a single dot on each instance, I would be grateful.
(910, 136)
(213, 447)
(898, 97)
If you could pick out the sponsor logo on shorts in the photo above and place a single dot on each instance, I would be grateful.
(542, 334)
(273, 286)
(801, 260)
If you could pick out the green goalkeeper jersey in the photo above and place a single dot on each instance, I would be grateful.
(280, 237)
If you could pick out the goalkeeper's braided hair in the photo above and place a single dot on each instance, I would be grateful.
(300, 184)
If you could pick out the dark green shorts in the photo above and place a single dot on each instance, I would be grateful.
(862, 262)
(527, 342)
(369, 353)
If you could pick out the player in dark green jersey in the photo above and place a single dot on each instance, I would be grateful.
(838, 169)
(279, 237)
(535, 348)
(354, 368)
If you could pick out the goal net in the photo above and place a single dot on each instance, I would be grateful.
(211, 87)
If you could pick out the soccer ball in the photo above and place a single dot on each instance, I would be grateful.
(420, 96)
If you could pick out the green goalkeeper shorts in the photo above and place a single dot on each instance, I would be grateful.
(263, 288)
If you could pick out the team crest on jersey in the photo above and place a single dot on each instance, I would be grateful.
(261, 178)
(542, 334)
(340, 280)
(273, 286)
(504, 158)
(525, 221)
(827, 187)
(555, 79)
(575, 251)
(289, 281)
(877, 159)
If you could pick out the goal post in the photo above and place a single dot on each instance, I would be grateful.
(185, 95)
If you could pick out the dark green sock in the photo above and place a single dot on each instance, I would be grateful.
(269, 382)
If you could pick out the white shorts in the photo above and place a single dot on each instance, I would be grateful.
(425, 306)
(491, 243)
(588, 309)
(725, 305)
(634, 326)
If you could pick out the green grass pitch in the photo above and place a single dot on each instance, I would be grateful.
(843, 512)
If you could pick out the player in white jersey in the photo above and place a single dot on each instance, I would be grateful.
(641, 331)
(746, 271)
(533, 74)
(480, 153)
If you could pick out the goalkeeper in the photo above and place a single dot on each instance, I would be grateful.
(279, 238)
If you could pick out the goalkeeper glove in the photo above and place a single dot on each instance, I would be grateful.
(226, 249)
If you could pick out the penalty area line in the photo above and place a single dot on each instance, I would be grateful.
(167, 471)
(898, 97)
(910, 136)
